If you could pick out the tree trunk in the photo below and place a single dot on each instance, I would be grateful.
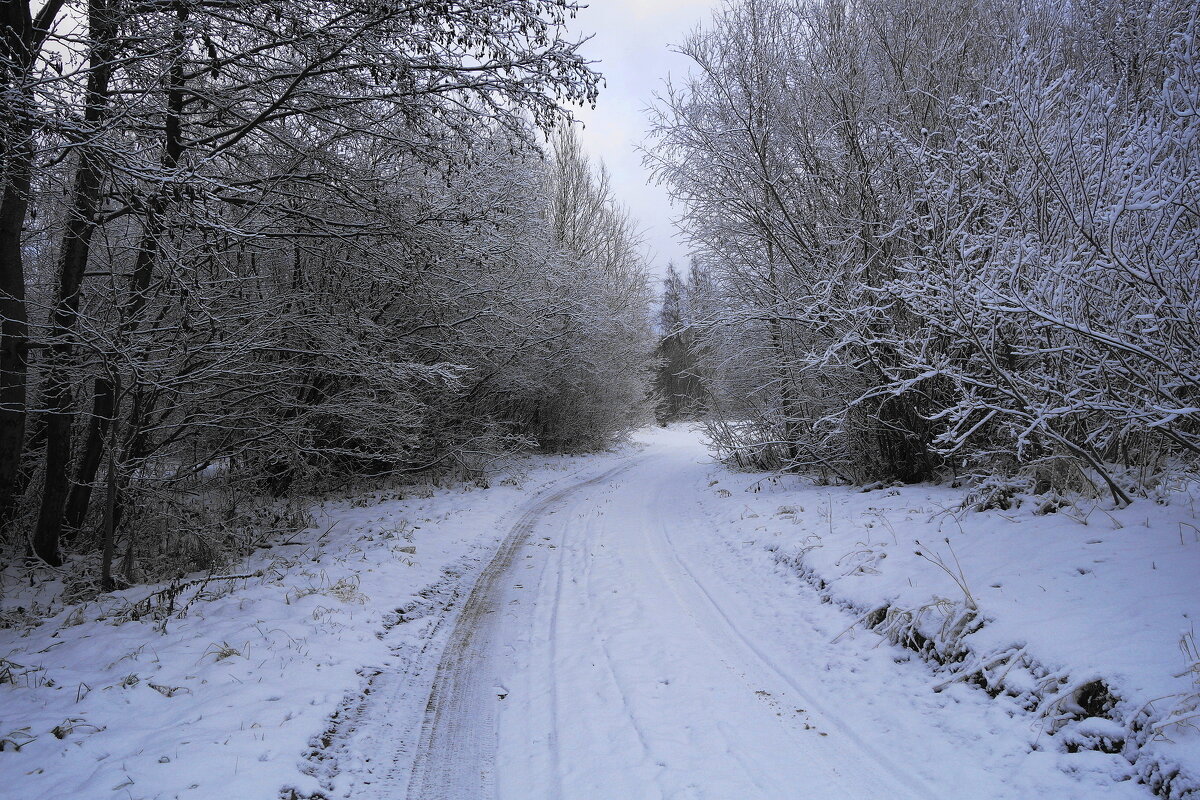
(787, 388)
(89, 460)
(21, 40)
(14, 335)
(73, 260)
(107, 584)
(16, 59)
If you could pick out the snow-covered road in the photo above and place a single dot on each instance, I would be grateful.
(620, 647)
(631, 668)
(628, 624)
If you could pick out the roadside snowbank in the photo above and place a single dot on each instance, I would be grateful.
(1084, 618)
(219, 689)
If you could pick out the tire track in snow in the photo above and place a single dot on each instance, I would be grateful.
(644, 570)
(725, 635)
(587, 549)
(456, 747)
(555, 688)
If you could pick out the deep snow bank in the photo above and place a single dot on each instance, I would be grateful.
(1082, 619)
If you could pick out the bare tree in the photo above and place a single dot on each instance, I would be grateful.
(944, 237)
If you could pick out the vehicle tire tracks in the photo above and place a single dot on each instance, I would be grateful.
(455, 751)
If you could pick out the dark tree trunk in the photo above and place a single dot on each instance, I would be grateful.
(137, 446)
(131, 307)
(787, 389)
(14, 338)
(107, 584)
(21, 39)
(89, 460)
(73, 260)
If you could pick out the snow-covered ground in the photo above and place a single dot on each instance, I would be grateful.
(224, 700)
(635, 624)
(1058, 601)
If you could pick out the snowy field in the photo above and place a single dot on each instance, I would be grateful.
(657, 626)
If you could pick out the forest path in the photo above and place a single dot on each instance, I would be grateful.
(619, 646)
(628, 666)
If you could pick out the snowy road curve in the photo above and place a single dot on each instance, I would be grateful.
(618, 647)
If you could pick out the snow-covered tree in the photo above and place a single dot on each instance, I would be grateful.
(945, 237)
(292, 244)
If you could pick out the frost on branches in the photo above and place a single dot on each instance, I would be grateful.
(964, 245)
(250, 250)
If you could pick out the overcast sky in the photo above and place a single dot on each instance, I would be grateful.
(632, 40)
